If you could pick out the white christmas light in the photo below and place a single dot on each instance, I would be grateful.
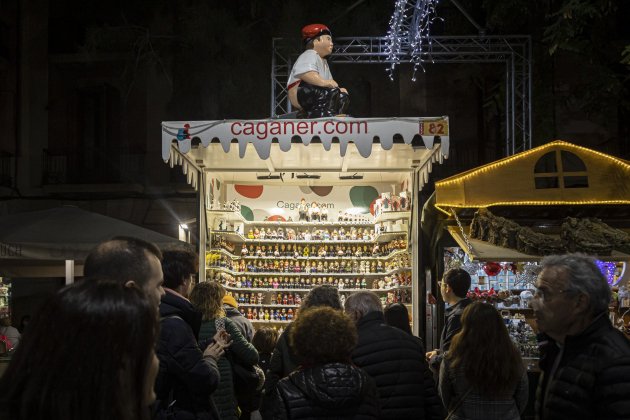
(409, 33)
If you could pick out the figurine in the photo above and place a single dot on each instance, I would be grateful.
(311, 87)
(250, 234)
(302, 211)
(314, 212)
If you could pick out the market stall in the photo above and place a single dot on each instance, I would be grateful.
(505, 216)
(289, 204)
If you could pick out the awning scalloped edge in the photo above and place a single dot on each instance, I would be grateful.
(368, 129)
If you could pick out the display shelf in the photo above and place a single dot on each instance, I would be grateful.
(392, 215)
(309, 224)
(268, 289)
(236, 237)
(223, 263)
(232, 216)
(287, 274)
(228, 215)
(336, 258)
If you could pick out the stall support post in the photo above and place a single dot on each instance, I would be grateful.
(414, 245)
(203, 229)
(69, 272)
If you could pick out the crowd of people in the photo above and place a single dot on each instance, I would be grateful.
(138, 339)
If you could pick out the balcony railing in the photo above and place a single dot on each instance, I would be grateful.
(92, 166)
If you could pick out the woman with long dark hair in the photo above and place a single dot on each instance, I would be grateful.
(483, 375)
(207, 298)
(87, 354)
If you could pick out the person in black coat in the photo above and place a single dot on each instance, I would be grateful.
(188, 375)
(453, 288)
(585, 361)
(396, 362)
(327, 385)
(284, 360)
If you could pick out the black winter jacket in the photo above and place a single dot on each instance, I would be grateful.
(396, 362)
(283, 361)
(330, 391)
(452, 325)
(592, 380)
(185, 376)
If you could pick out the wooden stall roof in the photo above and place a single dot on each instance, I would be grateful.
(556, 174)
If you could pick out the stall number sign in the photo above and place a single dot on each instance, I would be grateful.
(434, 128)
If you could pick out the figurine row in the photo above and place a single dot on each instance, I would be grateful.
(388, 282)
(323, 251)
(341, 234)
(398, 296)
(296, 266)
(391, 202)
(260, 314)
(260, 299)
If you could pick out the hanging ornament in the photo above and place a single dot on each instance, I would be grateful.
(608, 270)
(470, 267)
(492, 268)
(510, 267)
(526, 277)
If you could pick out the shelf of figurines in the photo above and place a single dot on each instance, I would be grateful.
(253, 308)
(300, 258)
(309, 274)
(369, 238)
(310, 265)
(278, 284)
(306, 290)
(343, 219)
(324, 250)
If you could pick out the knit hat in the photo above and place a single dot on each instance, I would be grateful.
(312, 31)
(229, 300)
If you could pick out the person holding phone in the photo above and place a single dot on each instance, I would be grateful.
(188, 373)
(207, 298)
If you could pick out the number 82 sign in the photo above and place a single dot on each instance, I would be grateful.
(434, 128)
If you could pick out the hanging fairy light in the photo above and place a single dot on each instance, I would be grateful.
(409, 33)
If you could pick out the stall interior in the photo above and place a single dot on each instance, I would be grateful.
(270, 243)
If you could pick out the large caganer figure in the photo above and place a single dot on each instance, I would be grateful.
(312, 90)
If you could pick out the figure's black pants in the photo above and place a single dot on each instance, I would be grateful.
(318, 102)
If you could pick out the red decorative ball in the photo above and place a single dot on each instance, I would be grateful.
(492, 268)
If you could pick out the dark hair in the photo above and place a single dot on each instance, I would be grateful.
(582, 276)
(265, 340)
(459, 280)
(85, 355)
(122, 258)
(396, 315)
(177, 265)
(483, 348)
(207, 298)
(323, 335)
(324, 295)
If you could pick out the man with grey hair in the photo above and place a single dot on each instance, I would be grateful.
(585, 361)
(395, 360)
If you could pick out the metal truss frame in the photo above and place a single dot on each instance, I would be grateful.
(513, 52)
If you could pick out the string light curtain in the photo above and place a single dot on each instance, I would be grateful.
(409, 33)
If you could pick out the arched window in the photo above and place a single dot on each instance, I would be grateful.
(560, 169)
